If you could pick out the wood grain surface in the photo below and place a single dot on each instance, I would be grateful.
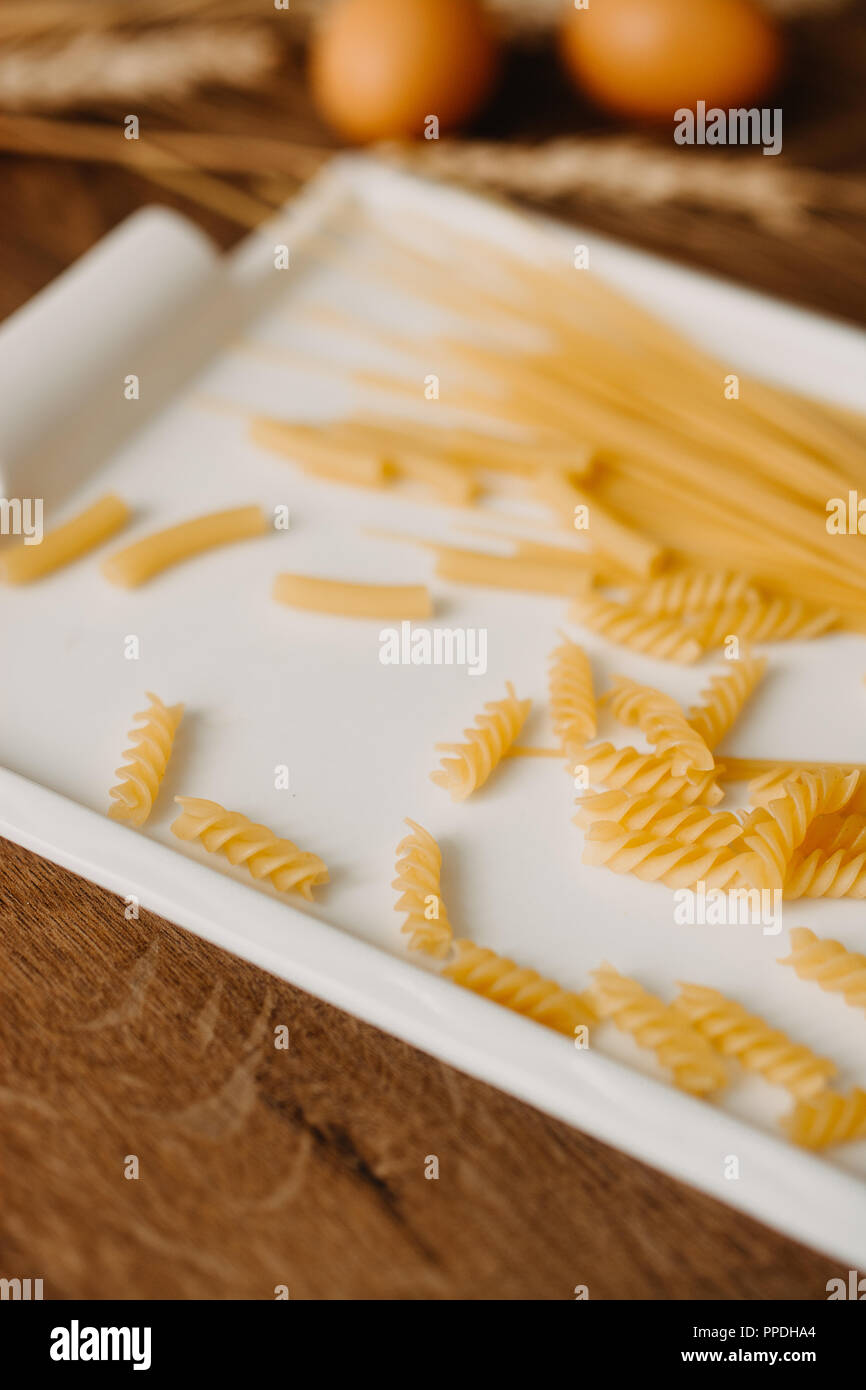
(305, 1167)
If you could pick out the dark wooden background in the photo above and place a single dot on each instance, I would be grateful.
(305, 1168)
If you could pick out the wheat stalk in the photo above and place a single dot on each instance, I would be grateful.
(170, 63)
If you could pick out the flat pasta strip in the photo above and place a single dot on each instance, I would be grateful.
(76, 537)
(147, 758)
(525, 991)
(736, 1033)
(347, 599)
(472, 762)
(261, 852)
(572, 699)
(829, 964)
(419, 864)
(157, 552)
(725, 697)
(657, 1026)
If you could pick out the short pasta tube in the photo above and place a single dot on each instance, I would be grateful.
(149, 556)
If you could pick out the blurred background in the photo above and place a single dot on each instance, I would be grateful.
(542, 102)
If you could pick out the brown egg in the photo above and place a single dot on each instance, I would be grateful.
(379, 68)
(646, 58)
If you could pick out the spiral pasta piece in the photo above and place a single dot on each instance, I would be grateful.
(474, 761)
(774, 831)
(666, 818)
(688, 590)
(419, 865)
(646, 773)
(147, 758)
(839, 830)
(840, 874)
(663, 722)
(656, 1025)
(258, 849)
(524, 991)
(773, 783)
(572, 700)
(656, 860)
(725, 697)
(830, 964)
(736, 1033)
(830, 1118)
(669, 639)
(767, 620)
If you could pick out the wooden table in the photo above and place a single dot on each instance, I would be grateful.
(305, 1168)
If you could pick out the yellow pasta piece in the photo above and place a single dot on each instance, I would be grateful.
(839, 830)
(666, 818)
(826, 874)
(145, 558)
(664, 723)
(657, 1026)
(133, 797)
(572, 700)
(419, 863)
(636, 553)
(515, 987)
(65, 543)
(668, 639)
(347, 599)
(646, 773)
(753, 1043)
(474, 761)
(776, 830)
(258, 849)
(830, 964)
(506, 572)
(655, 859)
(768, 620)
(688, 590)
(725, 697)
(316, 451)
(829, 1118)
(771, 774)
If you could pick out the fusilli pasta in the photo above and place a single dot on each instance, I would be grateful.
(656, 860)
(262, 853)
(825, 874)
(656, 1025)
(572, 700)
(830, 1118)
(646, 773)
(691, 825)
(419, 864)
(767, 620)
(663, 722)
(725, 697)
(669, 639)
(690, 590)
(774, 831)
(133, 797)
(830, 964)
(734, 1032)
(517, 988)
(474, 761)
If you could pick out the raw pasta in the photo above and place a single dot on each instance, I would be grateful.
(658, 860)
(347, 599)
(688, 590)
(147, 758)
(145, 558)
(725, 697)
(665, 817)
(65, 543)
(572, 700)
(661, 719)
(830, 964)
(522, 990)
(605, 531)
(826, 874)
(776, 830)
(317, 452)
(658, 1026)
(506, 572)
(669, 639)
(474, 760)
(419, 864)
(644, 774)
(830, 1118)
(768, 620)
(258, 849)
(753, 1043)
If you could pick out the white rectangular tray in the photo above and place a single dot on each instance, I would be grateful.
(265, 686)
